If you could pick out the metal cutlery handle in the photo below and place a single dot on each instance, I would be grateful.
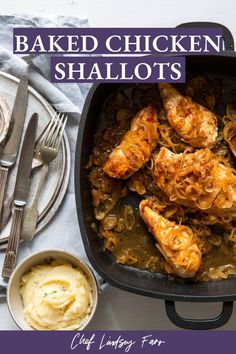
(7, 205)
(6, 211)
(3, 182)
(31, 212)
(13, 243)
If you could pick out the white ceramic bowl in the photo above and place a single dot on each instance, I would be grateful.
(14, 299)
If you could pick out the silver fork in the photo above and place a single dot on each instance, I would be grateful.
(48, 149)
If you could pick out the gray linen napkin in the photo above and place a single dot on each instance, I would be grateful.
(63, 97)
(63, 231)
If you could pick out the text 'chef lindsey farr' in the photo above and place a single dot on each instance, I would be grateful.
(114, 342)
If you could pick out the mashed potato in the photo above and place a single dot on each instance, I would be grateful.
(55, 297)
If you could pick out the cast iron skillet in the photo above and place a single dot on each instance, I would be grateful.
(131, 279)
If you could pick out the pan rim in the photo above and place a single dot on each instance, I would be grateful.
(190, 297)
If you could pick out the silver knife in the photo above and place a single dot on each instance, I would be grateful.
(10, 152)
(20, 195)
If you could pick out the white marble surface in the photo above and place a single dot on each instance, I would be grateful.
(118, 309)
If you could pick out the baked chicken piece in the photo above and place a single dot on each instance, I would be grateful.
(194, 123)
(136, 146)
(200, 180)
(177, 243)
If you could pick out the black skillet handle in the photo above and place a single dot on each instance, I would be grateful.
(203, 324)
(227, 35)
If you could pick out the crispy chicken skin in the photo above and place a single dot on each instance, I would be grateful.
(200, 180)
(194, 123)
(136, 146)
(177, 243)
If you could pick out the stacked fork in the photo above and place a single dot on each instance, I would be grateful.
(46, 151)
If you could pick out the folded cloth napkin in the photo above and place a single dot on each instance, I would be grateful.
(64, 98)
